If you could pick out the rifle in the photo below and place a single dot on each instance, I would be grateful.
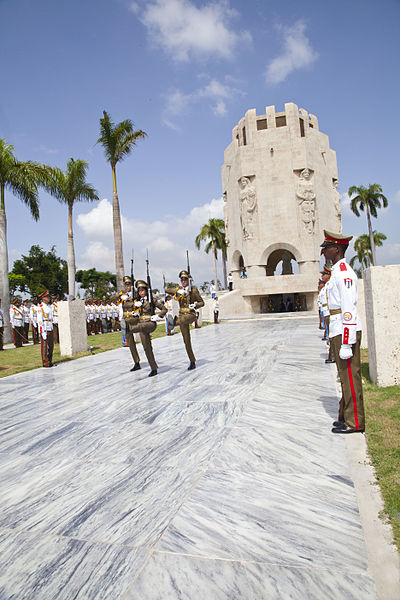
(134, 296)
(164, 283)
(150, 291)
(188, 269)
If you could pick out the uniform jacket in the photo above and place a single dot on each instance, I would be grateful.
(16, 316)
(186, 297)
(33, 314)
(45, 317)
(342, 296)
(144, 306)
(27, 315)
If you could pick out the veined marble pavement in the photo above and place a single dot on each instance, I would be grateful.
(220, 483)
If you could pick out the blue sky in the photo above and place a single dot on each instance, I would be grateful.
(186, 71)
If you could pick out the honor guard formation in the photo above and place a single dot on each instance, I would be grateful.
(136, 311)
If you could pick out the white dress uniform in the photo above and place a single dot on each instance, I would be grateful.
(45, 317)
(17, 325)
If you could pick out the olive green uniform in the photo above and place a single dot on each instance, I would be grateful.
(131, 320)
(144, 326)
(187, 315)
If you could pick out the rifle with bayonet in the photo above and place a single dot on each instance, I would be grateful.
(149, 290)
(190, 275)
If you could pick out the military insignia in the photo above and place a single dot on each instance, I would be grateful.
(347, 316)
(343, 267)
(348, 282)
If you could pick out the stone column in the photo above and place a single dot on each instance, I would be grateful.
(72, 327)
(382, 308)
(361, 312)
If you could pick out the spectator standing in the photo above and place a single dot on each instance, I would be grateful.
(216, 309)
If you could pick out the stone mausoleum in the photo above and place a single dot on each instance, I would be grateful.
(280, 190)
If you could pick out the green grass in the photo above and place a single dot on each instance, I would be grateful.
(382, 407)
(18, 360)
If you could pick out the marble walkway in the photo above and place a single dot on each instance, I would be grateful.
(220, 483)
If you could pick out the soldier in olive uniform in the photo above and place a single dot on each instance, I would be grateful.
(130, 317)
(147, 322)
(189, 301)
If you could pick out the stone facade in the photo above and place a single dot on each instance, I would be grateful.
(72, 327)
(280, 190)
(382, 308)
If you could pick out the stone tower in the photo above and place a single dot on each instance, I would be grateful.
(280, 192)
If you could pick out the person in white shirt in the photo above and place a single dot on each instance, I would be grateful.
(45, 328)
(169, 317)
(54, 305)
(1, 327)
(212, 290)
(33, 318)
(216, 309)
(230, 282)
(27, 319)
(345, 333)
(17, 323)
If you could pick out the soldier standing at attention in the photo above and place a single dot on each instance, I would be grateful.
(1, 327)
(17, 323)
(345, 333)
(147, 323)
(45, 327)
(26, 311)
(33, 317)
(56, 336)
(189, 300)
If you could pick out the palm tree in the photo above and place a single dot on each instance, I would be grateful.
(362, 247)
(211, 232)
(68, 188)
(118, 142)
(221, 245)
(368, 199)
(22, 179)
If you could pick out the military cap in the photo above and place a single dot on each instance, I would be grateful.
(46, 293)
(334, 239)
(140, 283)
(127, 280)
(183, 275)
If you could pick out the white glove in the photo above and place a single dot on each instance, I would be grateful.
(44, 335)
(345, 351)
(155, 318)
(138, 303)
(180, 291)
(192, 306)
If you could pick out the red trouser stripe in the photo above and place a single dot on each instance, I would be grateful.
(353, 392)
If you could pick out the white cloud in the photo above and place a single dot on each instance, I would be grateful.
(184, 30)
(167, 241)
(388, 254)
(345, 204)
(297, 54)
(177, 102)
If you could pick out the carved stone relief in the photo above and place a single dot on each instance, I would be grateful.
(248, 207)
(338, 208)
(305, 195)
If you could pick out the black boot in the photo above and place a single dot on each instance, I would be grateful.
(191, 366)
(136, 367)
(152, 373)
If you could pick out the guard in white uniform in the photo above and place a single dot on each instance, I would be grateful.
(33, 318)
(27, 320)
(345, 333)
(17, 323)
(45, 327)
(56, 336)
(2, 321)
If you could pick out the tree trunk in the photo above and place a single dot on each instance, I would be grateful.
(119, 257)
(371, 238)
(71, 256)
(224, 268)
(4, 283)
(215, 267)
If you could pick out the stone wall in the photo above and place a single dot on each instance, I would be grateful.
(382, 310)
(72, 327)
(361, 312)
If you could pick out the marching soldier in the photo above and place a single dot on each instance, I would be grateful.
(129, 317)
(33, 318)
(189, 300)
(17, 323)
(345, 333)
(147, 323)
(45, 328)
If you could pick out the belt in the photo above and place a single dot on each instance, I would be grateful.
(186, 311)
(335, 311)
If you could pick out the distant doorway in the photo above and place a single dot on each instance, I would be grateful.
(280, 303)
